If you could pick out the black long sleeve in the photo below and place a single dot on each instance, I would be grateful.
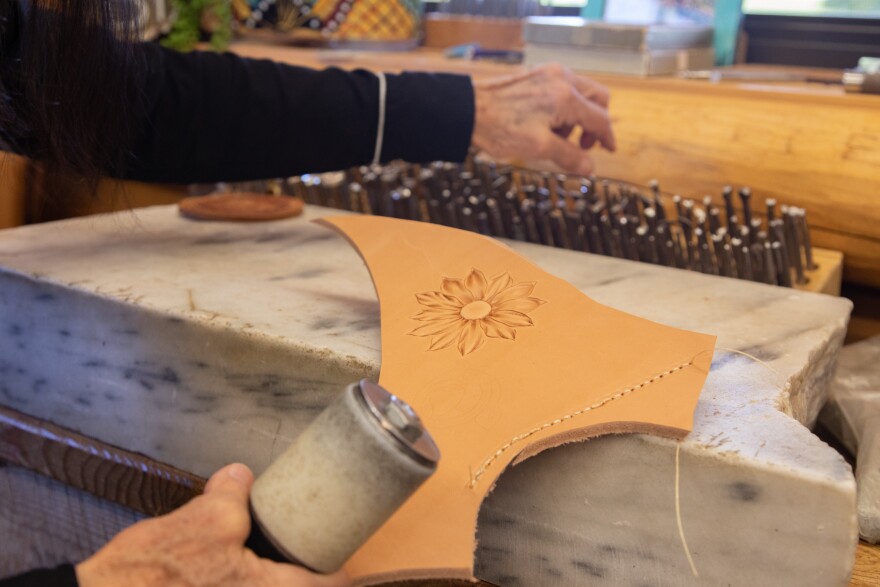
(219, 117)
(63, 576)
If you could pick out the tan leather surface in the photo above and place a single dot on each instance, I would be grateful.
(568, 369)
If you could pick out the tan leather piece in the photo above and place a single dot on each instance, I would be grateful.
(579, 370)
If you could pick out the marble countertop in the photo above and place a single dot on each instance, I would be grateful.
(198, 343)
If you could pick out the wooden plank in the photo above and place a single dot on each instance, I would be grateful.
(827, 277)
(112, 195)
(861, 254)
(12, 187)
(127, 478)
(867, 570)
(449, 30)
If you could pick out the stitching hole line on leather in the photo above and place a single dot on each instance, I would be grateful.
(475, 477)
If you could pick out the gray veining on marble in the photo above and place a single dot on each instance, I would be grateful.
(203, 343)
(618, 525)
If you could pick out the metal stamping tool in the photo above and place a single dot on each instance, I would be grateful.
(599, 216)
(727, 194)
(770, 272)
(794, 237)
(314, 505)
(770, 203)
(804, 232)
(357, 198)
(745, 196)
(780, 258)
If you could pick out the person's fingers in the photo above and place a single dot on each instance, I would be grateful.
(232, 481)
(224, 506)
(564, 131)
(591, 89)
(285, 574)
(547, 96)
(587, 141)
(569, 157)
(593, 119)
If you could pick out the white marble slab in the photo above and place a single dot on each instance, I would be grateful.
(203, 343)
(853, 415)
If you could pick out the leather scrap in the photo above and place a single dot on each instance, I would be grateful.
(240, 207)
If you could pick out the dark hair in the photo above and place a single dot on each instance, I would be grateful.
(68, 71)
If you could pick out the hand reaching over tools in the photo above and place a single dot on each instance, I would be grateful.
(530, 116)
(200, 544)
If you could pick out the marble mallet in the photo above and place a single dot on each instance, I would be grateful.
(341, 479)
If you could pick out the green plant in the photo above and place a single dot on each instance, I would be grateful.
(191, 15)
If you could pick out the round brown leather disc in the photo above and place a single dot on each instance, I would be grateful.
(240, 207)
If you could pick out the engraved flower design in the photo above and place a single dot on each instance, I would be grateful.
(467, 311)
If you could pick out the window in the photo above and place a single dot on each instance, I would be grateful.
(842, 8)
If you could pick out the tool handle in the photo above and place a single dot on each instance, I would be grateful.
(264, 547)
(258, 542)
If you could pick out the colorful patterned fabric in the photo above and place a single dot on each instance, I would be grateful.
(369, 20)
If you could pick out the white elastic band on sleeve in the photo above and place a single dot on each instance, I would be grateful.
(380, 128)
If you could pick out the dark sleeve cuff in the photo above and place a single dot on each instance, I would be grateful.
(428, 117)
(63, 576)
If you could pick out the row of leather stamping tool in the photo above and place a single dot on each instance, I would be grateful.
(726, 236)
